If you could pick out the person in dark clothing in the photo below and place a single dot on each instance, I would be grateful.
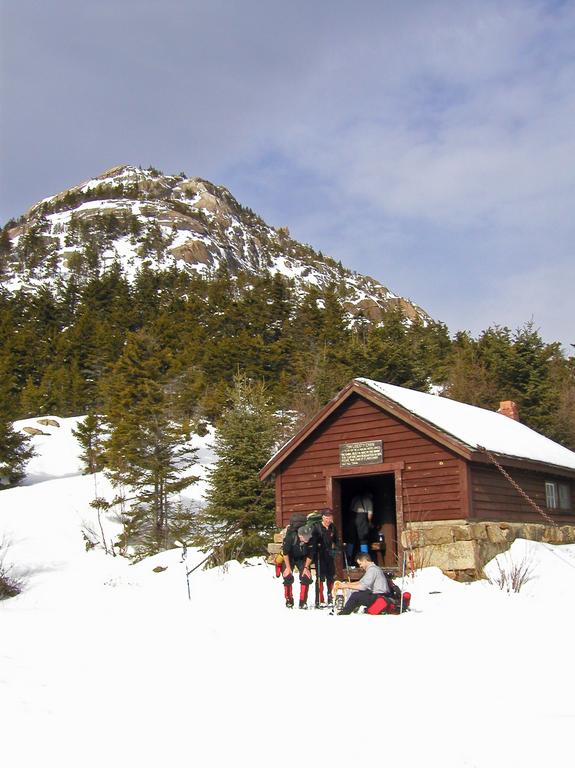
(366, 591)
(297, 551)
(362, 510)
(325, 543)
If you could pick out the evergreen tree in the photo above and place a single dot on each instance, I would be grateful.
(531, 363)
(5, 248)
(15, 452)
(146, 450)
(31, 399)
(5, 242)
(8, 390)
(89, 433)
(392, 354)
(15, 449)
(468, 378)
(239, 514)
(562, 426)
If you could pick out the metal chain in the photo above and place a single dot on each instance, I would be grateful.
(518, 488)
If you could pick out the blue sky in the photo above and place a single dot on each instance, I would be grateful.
(429, 144)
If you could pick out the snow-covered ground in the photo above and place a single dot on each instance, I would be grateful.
(107, 663)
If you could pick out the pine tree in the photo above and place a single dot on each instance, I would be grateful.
(15, 452)
(5, 248)
(562, 426)
(8, 389)
(468, 378)
(31, 399)
(15, 449)
(390, 353)
(146, 450)
(90, 435)
(531, 365)
(239, 514)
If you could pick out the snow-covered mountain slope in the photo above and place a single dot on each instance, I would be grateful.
(133, 217)
(107, 663)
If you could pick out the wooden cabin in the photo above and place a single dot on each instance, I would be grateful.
(453, 484)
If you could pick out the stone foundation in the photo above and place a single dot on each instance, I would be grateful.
(461, 549)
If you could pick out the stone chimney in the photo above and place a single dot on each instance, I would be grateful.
(509, 408)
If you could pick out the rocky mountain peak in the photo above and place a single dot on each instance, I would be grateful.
(131, 217)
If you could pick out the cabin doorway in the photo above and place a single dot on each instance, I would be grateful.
(383, 546)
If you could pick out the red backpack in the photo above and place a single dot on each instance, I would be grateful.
(392, 602)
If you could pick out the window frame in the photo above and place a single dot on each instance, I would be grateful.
(558, 496)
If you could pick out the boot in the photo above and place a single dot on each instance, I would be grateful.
(288, 593)
(303, 592)
(329, 591)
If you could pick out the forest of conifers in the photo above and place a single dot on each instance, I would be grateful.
(58, 349)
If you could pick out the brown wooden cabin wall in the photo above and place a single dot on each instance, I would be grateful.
(434, 479)
(494, 498)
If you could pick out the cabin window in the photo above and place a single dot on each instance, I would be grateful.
(558, 495)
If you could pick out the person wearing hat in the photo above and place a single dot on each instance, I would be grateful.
(298, 553)
(325, 543)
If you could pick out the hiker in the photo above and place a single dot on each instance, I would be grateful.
(372, 585)
(362, 510)
(297, 553)
(325, 543)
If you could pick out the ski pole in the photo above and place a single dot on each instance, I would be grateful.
(402, 584)
(194, 569)
(317, 578)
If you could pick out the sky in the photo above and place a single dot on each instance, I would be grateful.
(429, 144)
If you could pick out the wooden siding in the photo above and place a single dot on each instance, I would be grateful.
(494, 498)
(434, 480)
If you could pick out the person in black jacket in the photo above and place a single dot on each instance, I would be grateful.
(325, 543)
(297, 551)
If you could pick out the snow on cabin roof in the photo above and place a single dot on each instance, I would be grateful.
(477, 426)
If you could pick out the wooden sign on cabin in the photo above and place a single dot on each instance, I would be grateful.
(358, 454)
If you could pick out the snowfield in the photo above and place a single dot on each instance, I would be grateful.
(104, 663)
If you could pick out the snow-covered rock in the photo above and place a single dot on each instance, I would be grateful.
(132, 217)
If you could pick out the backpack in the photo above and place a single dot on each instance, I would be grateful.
(313, 518)
(394, 590)
(297, 520)
(291, 542)
(391, 602)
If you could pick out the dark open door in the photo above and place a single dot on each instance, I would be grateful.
(382, 486)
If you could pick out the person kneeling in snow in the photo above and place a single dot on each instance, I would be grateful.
(297, 552)
(372, 585)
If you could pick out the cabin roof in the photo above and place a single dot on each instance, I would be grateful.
(464, 426)
(477, 426)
